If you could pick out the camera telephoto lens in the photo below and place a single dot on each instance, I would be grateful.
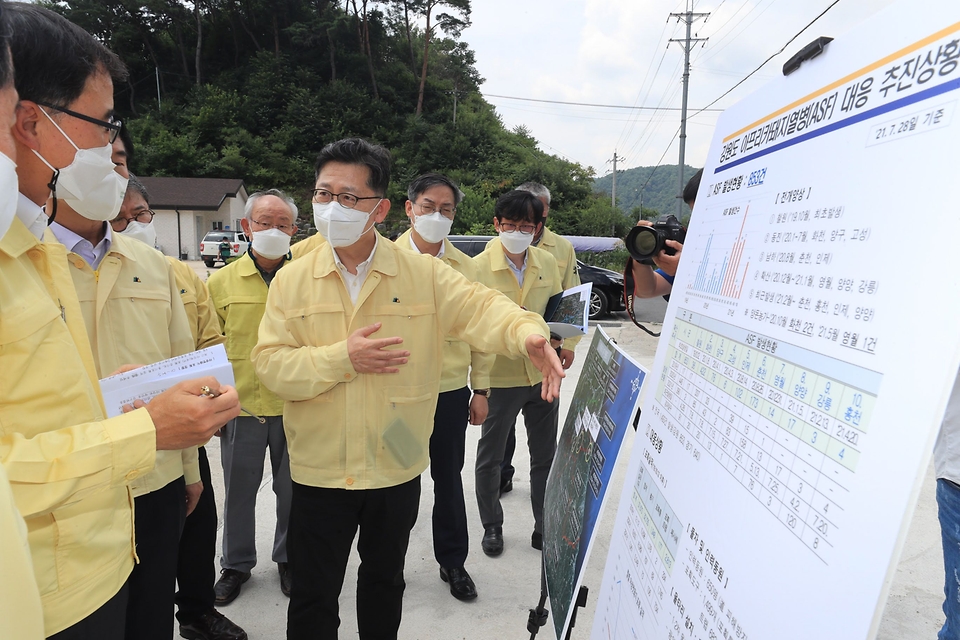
(643, 243)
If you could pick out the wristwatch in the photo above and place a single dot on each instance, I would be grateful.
(482, 392)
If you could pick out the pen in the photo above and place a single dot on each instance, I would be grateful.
(210, 393)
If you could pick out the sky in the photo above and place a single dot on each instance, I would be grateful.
(615, 52)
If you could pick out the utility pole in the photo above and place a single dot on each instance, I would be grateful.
(613, 195)
(688, 17)
(158, 87)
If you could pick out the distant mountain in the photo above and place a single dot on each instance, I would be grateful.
(660, 192)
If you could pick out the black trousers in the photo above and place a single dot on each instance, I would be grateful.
(451, 542)
(106, 623)
(323, 523)
(507, 470)
(159, 520)
(196, 572)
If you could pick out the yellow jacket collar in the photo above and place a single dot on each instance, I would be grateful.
(384, 258)
(17, 240)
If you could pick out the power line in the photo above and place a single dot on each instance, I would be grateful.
(587, 104)
(727, 92)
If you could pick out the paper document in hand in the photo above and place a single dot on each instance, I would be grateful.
(151, 380)
(568, 311)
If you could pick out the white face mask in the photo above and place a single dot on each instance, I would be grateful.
(432, 227)
(341, 227)
(515, 242)
(271, 243)
(144, 232)
(9, 193)
(89, 184)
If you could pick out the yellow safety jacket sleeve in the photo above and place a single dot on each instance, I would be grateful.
(21, 616)
(58, 468)
(458, 357)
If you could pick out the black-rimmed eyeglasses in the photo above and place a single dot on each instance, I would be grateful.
(144, 216)
(346, 200)
(112, 126)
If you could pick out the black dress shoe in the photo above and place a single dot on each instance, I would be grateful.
(228, 586)
(506, 487)
(492, 543)
(536, 541)
(461, 584)
(286, 578)
(211, 625)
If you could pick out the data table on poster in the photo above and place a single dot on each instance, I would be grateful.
(787, 423)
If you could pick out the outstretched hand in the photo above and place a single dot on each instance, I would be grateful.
(544, 357)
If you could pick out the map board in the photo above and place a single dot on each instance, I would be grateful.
(808, 351)
(602, 410)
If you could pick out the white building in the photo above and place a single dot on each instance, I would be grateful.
(187, 208)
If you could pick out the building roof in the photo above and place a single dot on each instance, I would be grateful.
(192, 193)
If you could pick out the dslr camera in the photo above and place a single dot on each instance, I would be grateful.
(644, 243)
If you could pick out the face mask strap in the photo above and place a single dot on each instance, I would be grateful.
(52, 185)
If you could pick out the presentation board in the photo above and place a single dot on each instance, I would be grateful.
(602, 410)
(809, 348)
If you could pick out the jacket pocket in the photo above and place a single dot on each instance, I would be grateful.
(404, 441)
(44, 537)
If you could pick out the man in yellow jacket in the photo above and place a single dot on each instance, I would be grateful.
(529, 277)
(352, 339)
(132, 311)
(239, 293)
(196, 552)
(562, 251)
(431, 207)
(69, 467)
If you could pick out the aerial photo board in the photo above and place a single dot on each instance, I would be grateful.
(810, 345)
(602, 410)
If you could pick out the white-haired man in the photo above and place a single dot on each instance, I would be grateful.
(239, 293)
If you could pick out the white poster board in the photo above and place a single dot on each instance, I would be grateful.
(812, 339)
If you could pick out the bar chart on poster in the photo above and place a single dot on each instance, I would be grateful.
(790, 413)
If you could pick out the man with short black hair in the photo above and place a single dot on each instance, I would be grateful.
(339, 324)
(77, 505)
(529, 277)
(431, 207)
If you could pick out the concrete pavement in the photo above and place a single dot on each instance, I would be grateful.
(510, 585)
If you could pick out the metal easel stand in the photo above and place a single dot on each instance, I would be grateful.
(538, 617)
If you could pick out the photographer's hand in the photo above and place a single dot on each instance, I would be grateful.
(666, 263)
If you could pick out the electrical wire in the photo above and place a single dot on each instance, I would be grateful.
(809, 24)
(588, 104)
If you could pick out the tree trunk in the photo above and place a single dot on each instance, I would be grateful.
(333, 56)
(133, 107)
(406, 23)
(196, 6)
(426, 57)
(183, 51)
(363, 34)
(276, 37)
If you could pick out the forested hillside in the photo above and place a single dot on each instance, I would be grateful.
(254, 88)
(660, 193)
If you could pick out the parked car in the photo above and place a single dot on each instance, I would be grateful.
(607, 292)
(210, 245)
